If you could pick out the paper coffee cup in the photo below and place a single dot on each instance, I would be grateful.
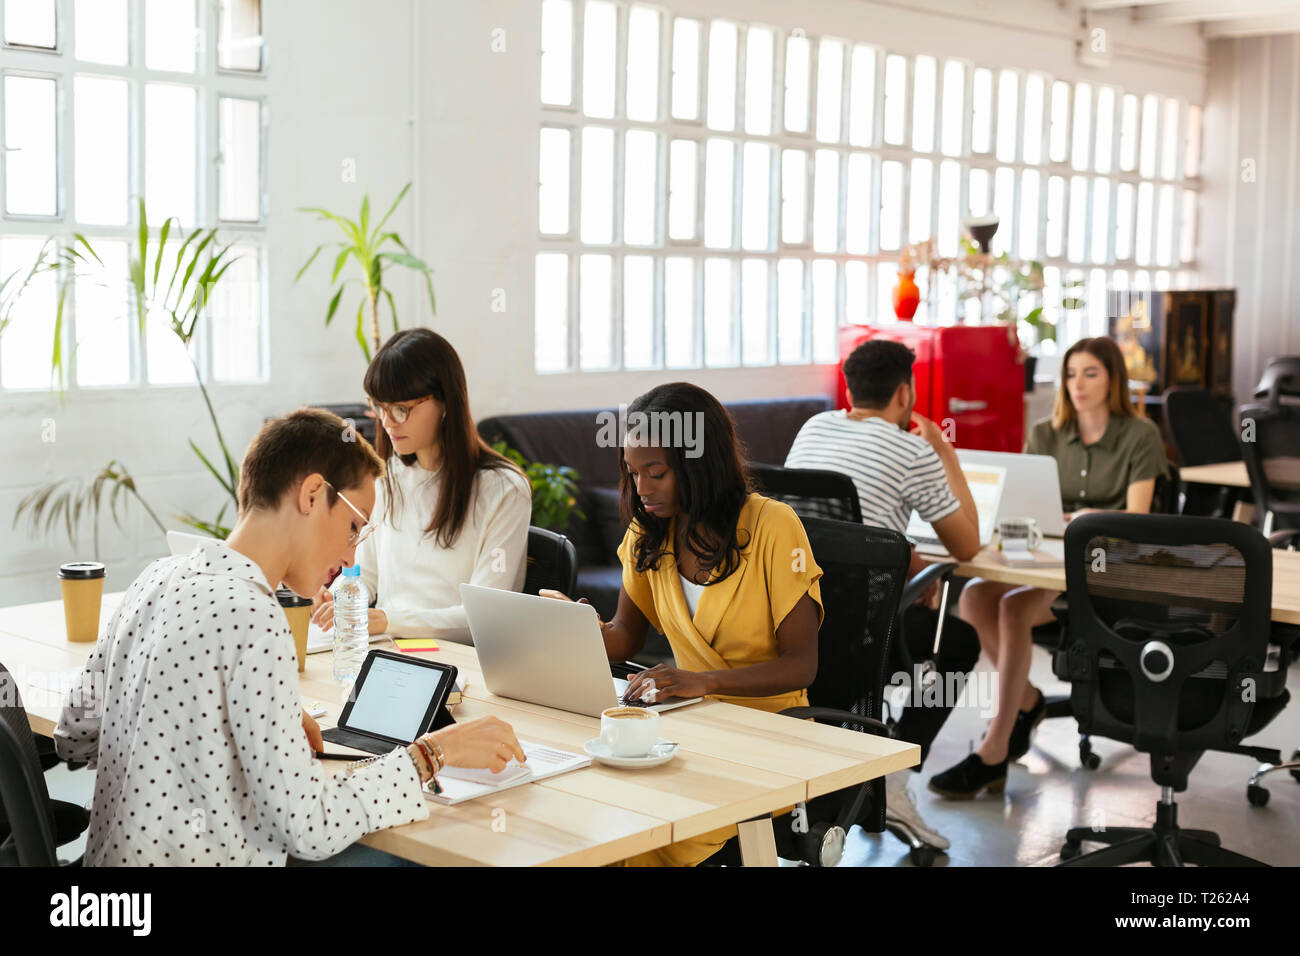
(82, 583)
(298, 611)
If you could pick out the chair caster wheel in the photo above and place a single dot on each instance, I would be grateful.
(1089, 759)
(1070, 850)
(922, 855)
(1257, 795)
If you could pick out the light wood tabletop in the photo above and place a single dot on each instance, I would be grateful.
(1230, 473)
(734, 764)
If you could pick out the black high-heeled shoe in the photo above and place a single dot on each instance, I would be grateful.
(1022, 730)
(969, 779)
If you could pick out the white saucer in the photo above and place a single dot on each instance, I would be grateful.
(658, 755)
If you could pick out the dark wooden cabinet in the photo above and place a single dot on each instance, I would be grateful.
(1176, 338)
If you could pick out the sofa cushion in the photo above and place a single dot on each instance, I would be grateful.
(605, 513)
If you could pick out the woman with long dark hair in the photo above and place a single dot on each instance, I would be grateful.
(726, 574)
(449, 509)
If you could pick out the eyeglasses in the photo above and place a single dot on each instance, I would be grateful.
(367, 529)
(396, 413)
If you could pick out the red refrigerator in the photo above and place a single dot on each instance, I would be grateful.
(965, 373)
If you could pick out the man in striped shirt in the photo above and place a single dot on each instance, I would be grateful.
(895, 472)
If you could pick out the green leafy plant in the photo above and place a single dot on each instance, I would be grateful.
(373, 250)
(70, 498)
(554, 488)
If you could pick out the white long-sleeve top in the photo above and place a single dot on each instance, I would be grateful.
(416, 579)
(189, 709)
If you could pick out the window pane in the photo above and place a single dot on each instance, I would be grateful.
(597, 184)
(1034, 91)
(237, 319)
(1058, 141)
(553, 182)
(756, 202)
(760, 46)
(1165, 227)
(1146, 213)
(1078, 217)
(923, 90)
(239, 46)
(551, 312)
(719, 177)
(1193, 163)
(103, 329)
(1187, 228)
(169, 362)
(918, 206)
(886, 279)
(1123, 221)
(830, 89)
(1128, 132)
(101, 31)
(686, 69)
(856, 291)
(101, 150)
(719, 341)
(1100, 218)
(891, 204)
(679, 312)
(1105, 128)
(1004, 204)
(1169, 148)
(31, 164)
(954, 106)
(643, 64)
(753, 312)
(682, 158)
(638, 312)
(595, 323)
(170, 35)
(826, 200)
(949, 207)
(981, 130)
(170, 152)
(797, 56)
(794, 195)
(640, 189)
(1054, 229)
(790, 311)
(1082, 130)
(241, 160)
(857, 221)
(1150, 133)
(895, 98)
(557, 54)
(979, 195)
(1008, 110)
(824, 301)
(599, 34)
(722, 75)
(1028, 239)
(30, 23)
(25, 346)
(862, 96)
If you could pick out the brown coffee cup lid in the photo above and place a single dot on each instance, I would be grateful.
(289, 598)
(81, 570)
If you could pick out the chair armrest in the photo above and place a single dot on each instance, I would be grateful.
(1285, 539)
(829, 715)
(922, 581)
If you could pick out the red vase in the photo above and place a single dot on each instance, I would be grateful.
(906, 297)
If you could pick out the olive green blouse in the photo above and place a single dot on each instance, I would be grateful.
(1098, 475)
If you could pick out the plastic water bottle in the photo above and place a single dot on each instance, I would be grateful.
(351, 623)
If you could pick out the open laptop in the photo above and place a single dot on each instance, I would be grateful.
(986, 482)
(1033, 488)
(182, 542)
(545, 651)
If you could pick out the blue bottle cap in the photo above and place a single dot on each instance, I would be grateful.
(352, 571)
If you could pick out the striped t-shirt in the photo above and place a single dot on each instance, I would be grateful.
(893, 470)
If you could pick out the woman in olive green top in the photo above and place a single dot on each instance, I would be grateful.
(1109, 460)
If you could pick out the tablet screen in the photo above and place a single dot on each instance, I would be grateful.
(394, 698)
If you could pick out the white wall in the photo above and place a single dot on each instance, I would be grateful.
(347, 80)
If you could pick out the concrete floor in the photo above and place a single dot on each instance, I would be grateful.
(1047, 793)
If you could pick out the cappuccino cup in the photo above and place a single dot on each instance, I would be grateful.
(629, 731)
(1017, 533)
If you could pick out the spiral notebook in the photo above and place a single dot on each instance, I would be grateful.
(460, 784)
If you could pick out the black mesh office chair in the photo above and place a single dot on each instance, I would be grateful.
(34, 825)
(552, 562)
(1281, 376)
(862, 578)
(1200, 427)
(1167, 649)
(1270, 444)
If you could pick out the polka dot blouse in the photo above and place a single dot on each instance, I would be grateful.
(189, 709)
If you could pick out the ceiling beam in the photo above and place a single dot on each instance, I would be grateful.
(1195, 11)
(1253, 26)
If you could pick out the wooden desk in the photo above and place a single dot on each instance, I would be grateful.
(1230, 473)
(734, 764)
(1286, 576)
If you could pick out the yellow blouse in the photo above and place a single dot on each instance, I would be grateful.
(736, 618)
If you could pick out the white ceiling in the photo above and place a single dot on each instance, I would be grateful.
(1217, 18)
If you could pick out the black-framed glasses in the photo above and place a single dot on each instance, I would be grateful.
(398, 413)
(367, 528)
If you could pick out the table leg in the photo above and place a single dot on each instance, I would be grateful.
(757, 842)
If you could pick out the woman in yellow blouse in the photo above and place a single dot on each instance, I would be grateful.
(727, 575)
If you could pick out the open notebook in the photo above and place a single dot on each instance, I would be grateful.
(459, 784)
